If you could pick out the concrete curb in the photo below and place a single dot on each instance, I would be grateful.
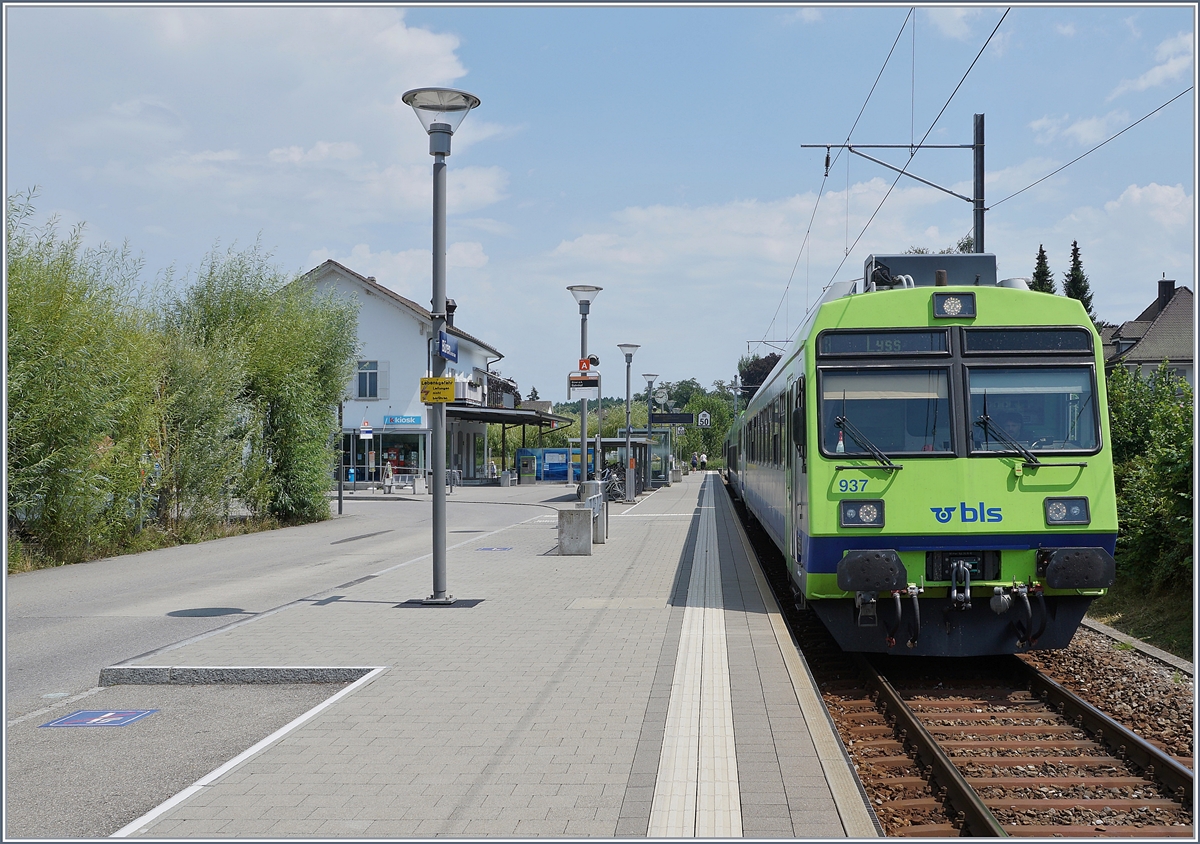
(183, 675)
(1149, 650)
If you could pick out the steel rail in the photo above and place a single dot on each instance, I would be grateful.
(976, 816)
(1177, 778)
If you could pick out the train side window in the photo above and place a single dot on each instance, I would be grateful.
(799, 429)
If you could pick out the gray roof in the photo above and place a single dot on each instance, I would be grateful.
(1170, 335)
(422, 313)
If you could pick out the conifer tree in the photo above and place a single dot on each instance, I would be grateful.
(1075, 282)
(1043, 279)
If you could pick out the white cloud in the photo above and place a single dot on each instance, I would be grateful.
(1085, 131)
(1126, 244)
(1046, 129)
(1067, 29)
(466, 255)
(217, 155)
(805, 15)
(1093, 130)
(1174, 57)
(406, 272)
(340, 151)
(953, 22)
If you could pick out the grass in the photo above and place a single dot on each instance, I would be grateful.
(23, 557)
(1163, 619)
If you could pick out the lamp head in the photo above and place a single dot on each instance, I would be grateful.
(628, 349)
(440, 106)
(650, 377)
(584, 294)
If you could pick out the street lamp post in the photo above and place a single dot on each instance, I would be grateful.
(440, 111)
(584, 294)
(650, 379)
(628, 349)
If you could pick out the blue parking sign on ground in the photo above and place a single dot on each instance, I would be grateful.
(101, 718)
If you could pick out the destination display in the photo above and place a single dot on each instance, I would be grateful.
(672, 418)
(1047, 340)
(883, 342)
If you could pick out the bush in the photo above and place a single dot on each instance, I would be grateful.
(121, 414)
(83, 362)
(1151, 427)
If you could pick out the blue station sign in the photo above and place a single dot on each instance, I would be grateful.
(447, 347)
(402, 420)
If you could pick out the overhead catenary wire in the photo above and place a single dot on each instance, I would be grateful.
(1093, 149)
(913, 153)
(828, 164)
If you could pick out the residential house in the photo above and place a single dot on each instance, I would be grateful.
(1164, 331)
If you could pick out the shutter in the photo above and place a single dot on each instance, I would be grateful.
(384, 379)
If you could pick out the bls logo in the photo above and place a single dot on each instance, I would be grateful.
(968, 514)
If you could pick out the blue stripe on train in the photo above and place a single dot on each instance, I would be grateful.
(822, 553)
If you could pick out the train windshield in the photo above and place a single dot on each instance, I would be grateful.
(1048, 408)
(901, 411)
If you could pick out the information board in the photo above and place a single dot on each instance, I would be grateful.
(437, 390)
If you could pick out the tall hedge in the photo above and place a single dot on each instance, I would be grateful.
(83, 362)
(172, 409)
(1151, 424)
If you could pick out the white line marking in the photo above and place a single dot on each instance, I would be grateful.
(696, 793)
(140, 824)
(59, 705)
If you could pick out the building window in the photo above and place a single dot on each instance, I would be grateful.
(372, 379)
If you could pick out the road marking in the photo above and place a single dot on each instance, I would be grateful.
(696, 793)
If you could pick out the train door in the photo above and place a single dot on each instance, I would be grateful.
(790, 468)
(798, 485)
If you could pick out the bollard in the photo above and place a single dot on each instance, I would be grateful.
(600, 524)
(575, 532)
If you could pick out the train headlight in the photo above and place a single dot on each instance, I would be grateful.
(1067, 511)
(861, 513)
(954, 305)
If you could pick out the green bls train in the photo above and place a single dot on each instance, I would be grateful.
(932, 458)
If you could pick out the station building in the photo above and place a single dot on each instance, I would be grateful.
(384, 393)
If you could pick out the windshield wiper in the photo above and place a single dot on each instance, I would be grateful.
(859, 437)
(985, 422)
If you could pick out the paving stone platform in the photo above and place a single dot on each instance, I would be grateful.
(648, 690)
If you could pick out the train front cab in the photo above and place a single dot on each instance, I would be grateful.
(993, 527)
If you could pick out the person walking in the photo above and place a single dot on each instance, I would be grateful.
(703, 462)
(695, 461)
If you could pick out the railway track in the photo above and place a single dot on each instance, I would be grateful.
(987, 747)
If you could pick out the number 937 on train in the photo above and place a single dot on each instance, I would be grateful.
(932, 458)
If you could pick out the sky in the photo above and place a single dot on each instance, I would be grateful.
(653, 151)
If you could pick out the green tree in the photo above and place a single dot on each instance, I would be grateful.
(753, 370)
(1075, 282)
(289, 354)
(1043, 279)
(1151, 430)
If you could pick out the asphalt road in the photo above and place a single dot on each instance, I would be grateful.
(63, 625)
